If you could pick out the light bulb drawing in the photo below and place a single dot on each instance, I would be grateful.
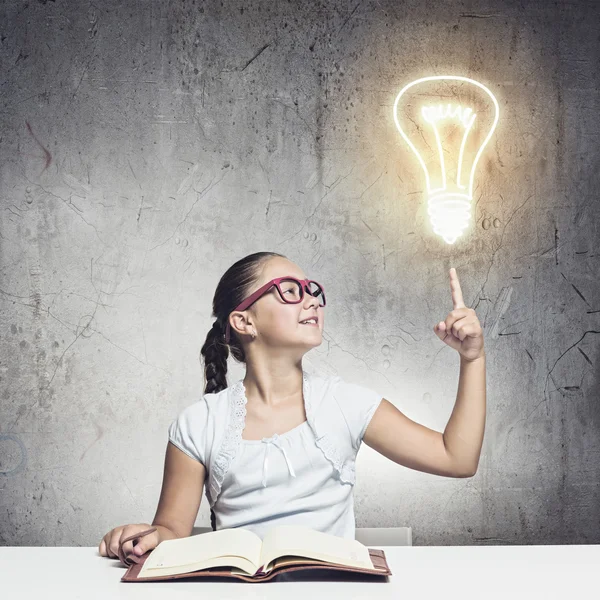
(447, 120)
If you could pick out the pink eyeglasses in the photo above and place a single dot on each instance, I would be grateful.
(291, 291)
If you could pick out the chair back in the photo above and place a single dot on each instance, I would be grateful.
(197, 530)
(384, 536)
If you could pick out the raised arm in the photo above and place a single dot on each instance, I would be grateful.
(411, 444)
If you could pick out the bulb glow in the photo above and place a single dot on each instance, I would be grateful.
(448, 138)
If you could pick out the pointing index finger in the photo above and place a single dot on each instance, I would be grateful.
(457, 297)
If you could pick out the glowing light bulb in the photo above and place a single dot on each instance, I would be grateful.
(447, 121)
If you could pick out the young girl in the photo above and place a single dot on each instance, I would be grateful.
(279, 447)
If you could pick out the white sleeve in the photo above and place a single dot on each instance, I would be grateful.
(358, 405)
(188, 431)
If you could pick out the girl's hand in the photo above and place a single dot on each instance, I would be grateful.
(461, 330)
(109, 546)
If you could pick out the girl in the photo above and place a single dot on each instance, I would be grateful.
(279, 447)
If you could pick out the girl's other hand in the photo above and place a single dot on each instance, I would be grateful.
(109, 546)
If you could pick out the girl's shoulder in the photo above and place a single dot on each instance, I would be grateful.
(208, 406)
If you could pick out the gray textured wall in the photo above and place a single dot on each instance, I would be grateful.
(146, 146)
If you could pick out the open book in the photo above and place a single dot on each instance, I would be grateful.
(240, 553)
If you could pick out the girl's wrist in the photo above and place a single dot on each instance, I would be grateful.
(164, 533)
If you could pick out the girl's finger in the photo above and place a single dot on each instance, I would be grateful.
(145, 540)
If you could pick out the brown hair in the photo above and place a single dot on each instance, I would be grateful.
(236, 284)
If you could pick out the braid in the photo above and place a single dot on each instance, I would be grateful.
(215, 354)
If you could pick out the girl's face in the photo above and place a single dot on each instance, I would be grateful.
(278, 323)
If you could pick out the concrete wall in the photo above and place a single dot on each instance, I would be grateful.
(146, 146)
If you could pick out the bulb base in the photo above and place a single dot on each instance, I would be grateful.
(449, 214)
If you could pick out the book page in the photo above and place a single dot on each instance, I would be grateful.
(203, 547)
(285, 561)
(288, 560)
(236, 563)
(298, 540)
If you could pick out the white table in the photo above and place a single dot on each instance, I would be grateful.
(419, 572)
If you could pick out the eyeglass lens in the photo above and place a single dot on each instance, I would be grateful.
(290, 290)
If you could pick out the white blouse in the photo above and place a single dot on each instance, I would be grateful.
(304, 476)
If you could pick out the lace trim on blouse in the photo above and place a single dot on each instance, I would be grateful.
(231, 441)
(233, 437)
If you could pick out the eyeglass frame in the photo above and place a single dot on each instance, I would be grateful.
(304, 285)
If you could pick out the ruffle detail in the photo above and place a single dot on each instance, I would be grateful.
(327, 444)
(345, 470)
(231, 441)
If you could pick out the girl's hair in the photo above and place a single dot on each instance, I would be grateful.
(237, 283)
